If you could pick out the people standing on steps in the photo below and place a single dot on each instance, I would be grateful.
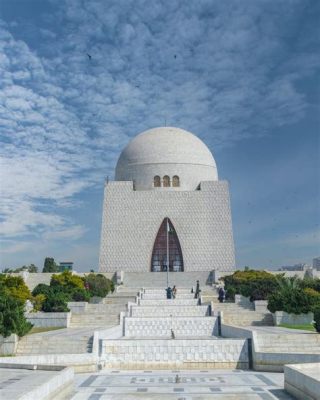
(221, 294)
(197, 292)
(174, 292)
(169, 292)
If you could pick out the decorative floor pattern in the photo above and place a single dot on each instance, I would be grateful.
(180, 385)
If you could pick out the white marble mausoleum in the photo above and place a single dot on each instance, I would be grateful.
(166, 194)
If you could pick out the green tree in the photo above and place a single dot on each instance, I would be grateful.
(32, 268)
(15, 287)
(50, 265)
(12, 319)
(28, 268)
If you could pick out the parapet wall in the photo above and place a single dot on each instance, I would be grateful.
(161, 327)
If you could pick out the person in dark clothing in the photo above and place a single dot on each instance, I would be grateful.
(169, 292)
(221, 295)
(197, 293)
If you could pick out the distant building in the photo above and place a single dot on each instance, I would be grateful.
(296, 267)
(65, 266)
(316, 263)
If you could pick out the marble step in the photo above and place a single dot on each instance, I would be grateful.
(168, 302)
(156, 296)
(292, 339)
(254, 319)
(55, 346)
(185, 353)
(164, 326)
(123, 300)
(159, 279)
(167, 311)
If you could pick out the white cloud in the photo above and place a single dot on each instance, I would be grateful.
(223, 71)
(73, 233)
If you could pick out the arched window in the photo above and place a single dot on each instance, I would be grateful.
(156, 181)
(166, 181)
(166, 239)
(175, 181)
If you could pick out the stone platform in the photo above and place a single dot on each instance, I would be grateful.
(30, 382)
(180, 385)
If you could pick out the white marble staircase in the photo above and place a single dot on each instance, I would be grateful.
(162, 333)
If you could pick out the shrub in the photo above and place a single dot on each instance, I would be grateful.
(250, 283)
(230, 293)
(80, 295)
(56, 302)
(98, 285)
(292, 298)
(12, 319)
(316, 313)
(41, 289)
(67, 280)
(294, 302)
(37, 302)
(313, 295)
(311, 283)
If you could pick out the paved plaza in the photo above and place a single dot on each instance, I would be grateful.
(180, 385)
(20, 383)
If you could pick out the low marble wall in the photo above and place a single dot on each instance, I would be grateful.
(47, 320)
(230, 331)
(275, 362)
(8, 345)
(161, 327)
(261, 306)
(77, 307)
(243, 301)
(166, 311)
(80, 362)
(177, 353)
(60, 383)
(302, 381)
(281, 317)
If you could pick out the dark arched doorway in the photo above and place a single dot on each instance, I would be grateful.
(166, 237)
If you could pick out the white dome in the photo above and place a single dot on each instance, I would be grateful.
(166, 151)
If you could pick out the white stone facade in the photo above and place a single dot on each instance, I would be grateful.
(131, 220)
(199, 208)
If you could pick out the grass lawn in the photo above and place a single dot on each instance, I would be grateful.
(302, 327)
(40, 329)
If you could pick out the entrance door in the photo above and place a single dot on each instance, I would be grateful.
(159, 253)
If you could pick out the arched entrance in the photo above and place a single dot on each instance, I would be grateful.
(167, 238)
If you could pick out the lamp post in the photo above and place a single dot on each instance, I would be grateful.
(167, 252)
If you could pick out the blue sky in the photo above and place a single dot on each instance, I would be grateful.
(242, 75)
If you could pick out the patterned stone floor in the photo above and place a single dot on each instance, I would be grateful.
(180, 385)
